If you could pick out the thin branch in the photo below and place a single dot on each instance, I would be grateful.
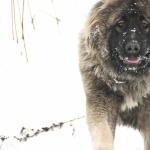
(2, 139)
(14, 17)
(29, 133)
(26, 134)
(22, 20)
(74, 119)
(57, 20)
(22, 25)
(32, 18)
(80, 10)
(46, 13)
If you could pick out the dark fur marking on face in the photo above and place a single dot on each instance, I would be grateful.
(129, 43)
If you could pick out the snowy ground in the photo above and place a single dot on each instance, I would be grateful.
(47, 89)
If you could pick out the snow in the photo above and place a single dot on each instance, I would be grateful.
(119, 82)
(133, 30)
(47, 89)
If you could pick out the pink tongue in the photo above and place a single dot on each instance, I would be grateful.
(133, 60)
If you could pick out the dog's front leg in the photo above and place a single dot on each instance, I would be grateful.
(101, 119)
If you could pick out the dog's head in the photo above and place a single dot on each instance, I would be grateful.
(119, 32)
(129, 41)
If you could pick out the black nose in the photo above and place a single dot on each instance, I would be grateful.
(132, 47)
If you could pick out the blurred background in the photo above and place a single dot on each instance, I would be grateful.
(39, 77)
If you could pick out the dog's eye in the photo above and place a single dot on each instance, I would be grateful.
(121, 23)
(144, 24)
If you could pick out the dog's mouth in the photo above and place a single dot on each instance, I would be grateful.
(132, 60)
(135, 62)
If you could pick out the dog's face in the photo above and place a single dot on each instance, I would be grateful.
(129, 43)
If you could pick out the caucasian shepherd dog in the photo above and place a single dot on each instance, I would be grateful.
(114, 58)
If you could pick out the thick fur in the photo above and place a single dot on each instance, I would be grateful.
(111, 97)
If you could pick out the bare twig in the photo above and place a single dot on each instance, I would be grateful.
(29, 133)
(57, 20)
(26, 134)
(80, 10)
(2, 139)
(32, 18)
(14, 26)
(46, 13)
(14, 17)
(22, 25)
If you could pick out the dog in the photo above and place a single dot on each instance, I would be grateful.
(114, 61)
